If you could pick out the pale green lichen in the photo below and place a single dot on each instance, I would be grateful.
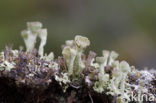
(2, 56)
(107, 59)
(114, 83)
(95, 65)
(62, 80)
(49, 57)
(69, 55)
(72, 54)
(34, 30)
(34, 26)
(30, 35)
(102, 76)
(117, 84)
(6, 64)
(43, 36)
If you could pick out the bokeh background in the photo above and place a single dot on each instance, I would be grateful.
(126, 26)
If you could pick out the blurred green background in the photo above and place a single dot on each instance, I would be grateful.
(126, 26)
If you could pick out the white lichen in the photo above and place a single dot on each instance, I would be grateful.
(106, 60)
(7, 66)
(112, 82)
(118, 85)
(72, 54)
(69, 55)
(34, 30)
(81, 44)
(116, 82)
(62, 80)
(43, 36)
(113, 56)
(49, 57)
(29, 39)
(34, 26)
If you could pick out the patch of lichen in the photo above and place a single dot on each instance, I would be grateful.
(74, 73)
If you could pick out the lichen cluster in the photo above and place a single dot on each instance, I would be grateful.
(103, 74)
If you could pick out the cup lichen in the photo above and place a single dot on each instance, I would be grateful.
(103, 75)
(34, 30)
(72, 54)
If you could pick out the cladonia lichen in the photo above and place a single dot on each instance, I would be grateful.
(116, 81)
(103, 74)
(72, 53)
(34, 30)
